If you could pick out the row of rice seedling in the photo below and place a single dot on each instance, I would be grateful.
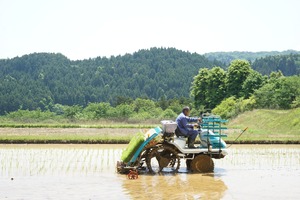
(27, 161)
(263, 157)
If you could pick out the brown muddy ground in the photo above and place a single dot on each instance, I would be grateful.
(88, 172)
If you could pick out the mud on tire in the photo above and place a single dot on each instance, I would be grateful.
(202, 164)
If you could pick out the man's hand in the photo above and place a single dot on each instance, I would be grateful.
(200, 120)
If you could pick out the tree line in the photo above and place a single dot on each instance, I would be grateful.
(288, 64)
(130, 110)
(53, 83)
(228, 57)
(241, 88)
(41, 80)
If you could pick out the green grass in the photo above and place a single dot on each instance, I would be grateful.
(267, 125)
(57, 139)
(264, 126)
(76, 126)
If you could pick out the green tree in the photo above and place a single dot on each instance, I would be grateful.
(226, 109)
(253, 82)
(168, 114)
(208, 87)
(216, 87)
(142, 105)
(237, 73)
(163, 103)
(288, 64)
(98, 110)
(231, 107)
(276, 75)
(124, 111)
(176, 106)
(278, 93)
(58, 109)
(41, 80)
(123, 100)
(199, 87)
(72, 111)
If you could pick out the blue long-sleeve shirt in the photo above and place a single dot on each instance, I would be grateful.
(182, 123)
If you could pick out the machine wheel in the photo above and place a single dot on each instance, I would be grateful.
(202, 164)
(163, 159)
(142, 158)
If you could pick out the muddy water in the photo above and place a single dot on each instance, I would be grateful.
(88, 172)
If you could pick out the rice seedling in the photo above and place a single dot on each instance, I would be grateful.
(48, 161)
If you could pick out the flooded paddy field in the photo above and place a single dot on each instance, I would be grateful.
(88, 172)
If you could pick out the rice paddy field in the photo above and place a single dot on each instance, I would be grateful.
(81, 171)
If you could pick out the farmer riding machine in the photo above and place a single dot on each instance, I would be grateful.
(159, 150)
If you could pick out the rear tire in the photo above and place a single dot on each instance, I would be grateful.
(202, 164)
(163, 159)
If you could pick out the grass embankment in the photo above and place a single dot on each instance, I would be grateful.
(264, 126)
(113, 126)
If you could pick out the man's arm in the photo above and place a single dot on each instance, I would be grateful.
(192, 119)
(185, 121)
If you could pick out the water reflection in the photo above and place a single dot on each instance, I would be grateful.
(181, 186)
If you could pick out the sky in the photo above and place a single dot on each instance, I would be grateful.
(82, 29)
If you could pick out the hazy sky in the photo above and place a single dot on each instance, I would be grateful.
(91, 28)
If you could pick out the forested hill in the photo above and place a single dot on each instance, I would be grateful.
(227, 57)
(288, 64)
(41, 79)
